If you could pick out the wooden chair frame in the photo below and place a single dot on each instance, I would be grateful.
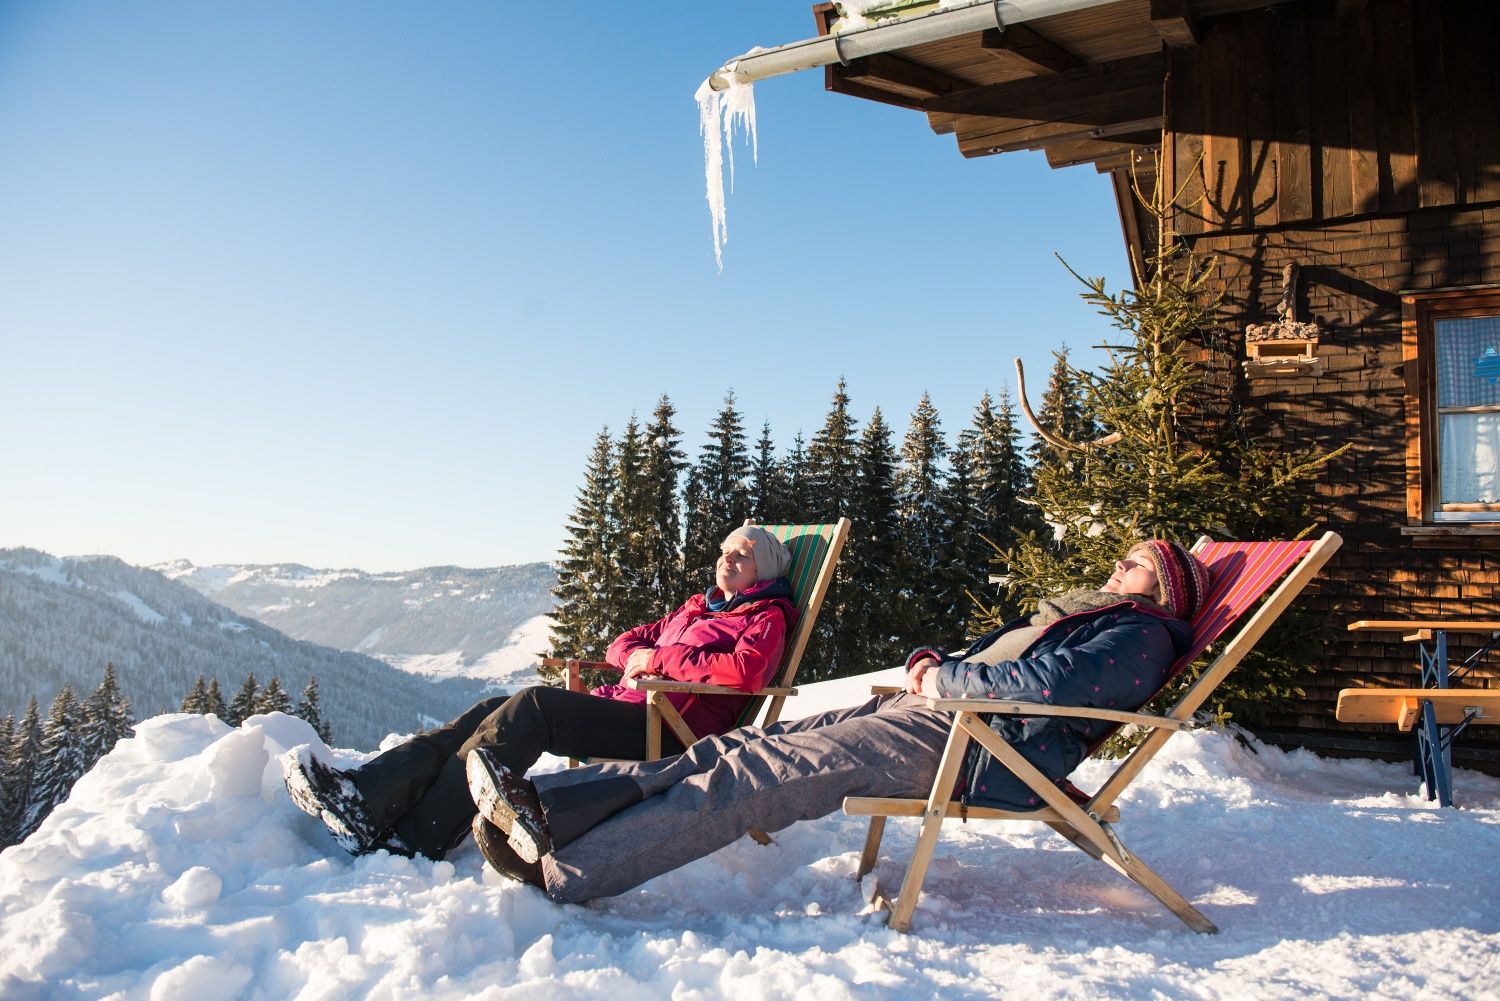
(1088, 824)
(659, 709)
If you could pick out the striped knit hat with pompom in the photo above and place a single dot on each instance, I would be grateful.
(1182, 578)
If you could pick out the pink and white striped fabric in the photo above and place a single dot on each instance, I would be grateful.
(1242, 572)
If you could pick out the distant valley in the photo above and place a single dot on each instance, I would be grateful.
(443, 622)
(62, 619)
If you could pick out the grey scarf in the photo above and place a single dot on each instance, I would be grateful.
(1014, 643)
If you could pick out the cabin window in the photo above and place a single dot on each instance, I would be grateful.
(1454, 382)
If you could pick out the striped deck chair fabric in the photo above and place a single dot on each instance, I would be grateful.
(815, 550)
(1242, 573)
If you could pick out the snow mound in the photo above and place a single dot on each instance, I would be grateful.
(179, 869)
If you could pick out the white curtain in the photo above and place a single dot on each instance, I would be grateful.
(1471, 458)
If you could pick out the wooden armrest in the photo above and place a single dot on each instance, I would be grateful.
(573, 676)
(1012, 708)
(698, 688)
(886, 689)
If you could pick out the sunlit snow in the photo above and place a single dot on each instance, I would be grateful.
(178, 869)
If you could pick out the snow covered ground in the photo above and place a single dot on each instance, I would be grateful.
(511, 667)
(178, 869)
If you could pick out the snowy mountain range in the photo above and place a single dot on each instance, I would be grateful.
(61, 620)
(439, 621)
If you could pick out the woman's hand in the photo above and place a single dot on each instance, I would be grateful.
(921, 676)
(636, 666)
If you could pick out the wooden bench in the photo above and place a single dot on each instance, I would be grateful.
(1403, 706)
(1436, 712)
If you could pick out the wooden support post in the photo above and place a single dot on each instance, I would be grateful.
(932, 822)
(872, 847)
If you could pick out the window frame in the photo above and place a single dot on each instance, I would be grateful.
(1419, 313)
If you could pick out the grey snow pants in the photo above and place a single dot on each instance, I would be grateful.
(615, 826)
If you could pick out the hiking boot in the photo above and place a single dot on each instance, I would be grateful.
(502, 858)
(323, 791)
(509, 802)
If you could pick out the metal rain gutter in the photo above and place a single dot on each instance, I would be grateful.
(845, 46)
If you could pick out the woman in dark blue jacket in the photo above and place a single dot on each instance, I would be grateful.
(601, 830)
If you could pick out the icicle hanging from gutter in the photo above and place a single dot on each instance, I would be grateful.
(718, 113)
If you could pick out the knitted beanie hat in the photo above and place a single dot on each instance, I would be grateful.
(1181, 577)
(772, 559)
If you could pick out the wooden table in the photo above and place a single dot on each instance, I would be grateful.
(1435, 711)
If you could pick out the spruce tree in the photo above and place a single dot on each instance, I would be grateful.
(62, 757)
(7, 780)
(799, 507)
(196, 700)
(999, 514)
(22, 760)
(717, 499)
(586, 573)
(1066, 414)
(311, 709)
(923, 531)
(1169, 475)
(768, 484)
(631, 602)
(961, 571)
(243, 705)
(869, 633)
(831, 483)
(273, 699)
(106, 718)
(215, 703)
(665, 461)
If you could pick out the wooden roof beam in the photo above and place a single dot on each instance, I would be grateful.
(902, 76)
(1027, 51)
(1137, 110)
(1175, 23)
(1088, 150)
(1019, 103)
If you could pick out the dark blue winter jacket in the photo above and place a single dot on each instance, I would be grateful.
(1115, 657)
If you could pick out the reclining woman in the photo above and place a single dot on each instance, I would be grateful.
(604, 829)
(413, 798)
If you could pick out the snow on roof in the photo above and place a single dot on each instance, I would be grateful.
(178, 869)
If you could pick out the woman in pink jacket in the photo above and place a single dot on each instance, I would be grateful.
(414, 798)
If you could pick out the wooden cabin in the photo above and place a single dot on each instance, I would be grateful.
(1343, 156)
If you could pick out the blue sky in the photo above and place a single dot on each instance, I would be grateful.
(356, 284)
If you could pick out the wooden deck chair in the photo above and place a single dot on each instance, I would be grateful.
(1242, 572)
(815, 553)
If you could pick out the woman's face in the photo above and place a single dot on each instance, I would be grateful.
(735, 570)
(1133, 575)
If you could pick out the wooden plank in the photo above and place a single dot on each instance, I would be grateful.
(1022, 49)
(1402, 705)
(1395, 128)
(1174, 22)
(1406, 625)
(1416, 363)
(835, 82)
(1364, 145)
(871, 853)
(699, 687)
(1014, 708)
(1330, 116)
(1185, 180)
(1260, 121)
(902, 76)
(1071, 153)
(885, 806)
(1437, 163)
(1096, 115)
(1289, 61)
(1223, 145)
(1478, 64)
(1019, 103)
(932, 822)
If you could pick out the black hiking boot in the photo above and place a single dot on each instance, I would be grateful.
(497, 851)
(323, 791)
(510, 803)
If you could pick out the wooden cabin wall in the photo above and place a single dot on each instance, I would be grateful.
(1371, 191)
(1296, 114)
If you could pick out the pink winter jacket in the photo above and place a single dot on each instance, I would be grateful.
(740, 647)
